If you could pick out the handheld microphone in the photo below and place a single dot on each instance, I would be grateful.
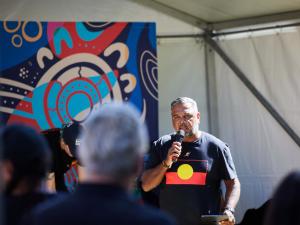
(179, 136)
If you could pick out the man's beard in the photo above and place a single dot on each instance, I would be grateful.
(193, 132)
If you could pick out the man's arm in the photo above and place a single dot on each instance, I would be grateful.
(151, 178)
(232, 195)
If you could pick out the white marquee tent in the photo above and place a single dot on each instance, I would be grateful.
(238, 59)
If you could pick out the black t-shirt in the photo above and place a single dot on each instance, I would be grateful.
(191, 187)
(63, 166)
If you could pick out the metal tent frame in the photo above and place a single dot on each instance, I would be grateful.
(210, 30)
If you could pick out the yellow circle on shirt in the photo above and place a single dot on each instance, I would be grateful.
(185, 171)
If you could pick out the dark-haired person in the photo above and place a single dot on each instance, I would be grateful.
(24, 164)
(63, 142)
(284, 208)
(189, 174)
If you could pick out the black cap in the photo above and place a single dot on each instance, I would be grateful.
(70, 135)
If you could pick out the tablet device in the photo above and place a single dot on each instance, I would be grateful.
(212, 219)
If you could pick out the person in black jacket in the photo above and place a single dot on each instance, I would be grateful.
(25, 161)
(112, 147)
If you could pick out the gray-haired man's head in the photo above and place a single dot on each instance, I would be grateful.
(113, 141)
(185, 100)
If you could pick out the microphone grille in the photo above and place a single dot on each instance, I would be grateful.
(179, 136)
(181, 133)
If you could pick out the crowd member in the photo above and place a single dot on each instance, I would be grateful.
(24, 164)
(189, 174)
(285, 204)
(63, 175)
(255, 216)
(112, 147)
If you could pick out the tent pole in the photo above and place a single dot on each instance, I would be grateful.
(215, 33)
(254, 29)
(211, 91)
(252, 89)
(257, 20)
(180, 36)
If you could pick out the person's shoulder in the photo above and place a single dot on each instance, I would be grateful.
(164, 139)
(50, 200)
(28, 200)
(53, 202)
(211, 139)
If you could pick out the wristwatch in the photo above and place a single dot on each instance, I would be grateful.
(229, 209)
(165, 164)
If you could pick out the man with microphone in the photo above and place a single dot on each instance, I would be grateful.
(188, 166)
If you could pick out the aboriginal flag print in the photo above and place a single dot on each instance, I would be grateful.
(187, 172)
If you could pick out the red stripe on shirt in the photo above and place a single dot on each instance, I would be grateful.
(197, 178)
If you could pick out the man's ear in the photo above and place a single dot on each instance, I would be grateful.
(198, 115)
(6, 169)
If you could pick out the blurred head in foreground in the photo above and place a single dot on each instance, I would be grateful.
(113, 144)
(26, 159)
(285, 204)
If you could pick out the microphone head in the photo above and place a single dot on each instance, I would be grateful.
(179, 135)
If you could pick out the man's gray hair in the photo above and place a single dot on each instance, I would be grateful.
(183, 100)
(113, 139)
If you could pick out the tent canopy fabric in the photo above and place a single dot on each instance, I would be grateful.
(171, 16)
(219, 14)
(219, 10)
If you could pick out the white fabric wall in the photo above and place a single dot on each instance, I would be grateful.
(181, 72)
(262, 151)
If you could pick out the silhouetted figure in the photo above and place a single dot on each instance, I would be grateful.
(255, 216)
(285, 205)
(25, 161)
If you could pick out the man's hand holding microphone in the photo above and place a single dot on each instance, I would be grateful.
(175, 150)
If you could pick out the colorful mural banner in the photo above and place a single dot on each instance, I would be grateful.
(56, 72)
